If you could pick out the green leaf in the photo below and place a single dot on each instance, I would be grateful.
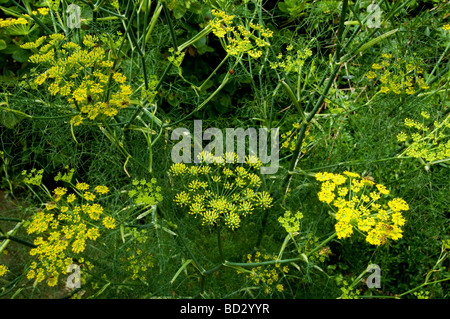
(122, 232)
(8, 119)
(21, 55)
(202, 47)
(283, 7)
(3, 45)
(179, 11)
(86, 15)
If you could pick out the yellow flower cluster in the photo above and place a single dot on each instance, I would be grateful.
(4, 23)
(3, 270)
(33, 177)
(349, 292)
(239, 40)
(145, 192)
(267, 276)
(67, 176)
(63, 228)
(446, 27)
(137, 264)
(292, 62)
(422, 294)
(309, 243)
(290, 139)
(359, 203)
(22, 25)
(221, 189)
(398, 76)
(81, 74)
(290, 222)
(176, 58)
(428, 145)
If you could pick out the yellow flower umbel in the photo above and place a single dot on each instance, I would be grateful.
(5, 23)
(3, 270)
(23, 24)
(146, 192)
(289, 139)
(268, 276)
(221, 190)
(64, 231)
(82, 74)
(359, 203)
(399, 76)
(291, 62)
(237, 40)
(426, 144)
(291, 222)
(137, 264)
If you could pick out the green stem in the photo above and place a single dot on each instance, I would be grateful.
(332, 236)
(262, 263)
(10, 233)
(212, 270)
(221, 86)
(283, 261)
(422, 285)
(337, 55)
(127, 28)
(219, 244)
(172, 31)
(213, 73)
(439, 61)
(206, 30)
(139, 110)
(18, 240)
(155, 17)
(291, 94)
(202, 270)
(32, 117)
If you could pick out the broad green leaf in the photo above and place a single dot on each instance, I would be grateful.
(8, 119)
(21, 55)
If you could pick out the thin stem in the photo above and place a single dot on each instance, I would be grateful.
(213, 73)
(337, 55)
(220, 87)
(213, 270)
(155, 17)
(219, 244)
(332, 236)
(202, 270)
(206, 30)
(18, 240)
(171, 29)
(262, 263)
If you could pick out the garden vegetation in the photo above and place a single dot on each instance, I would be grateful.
(93, 204)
